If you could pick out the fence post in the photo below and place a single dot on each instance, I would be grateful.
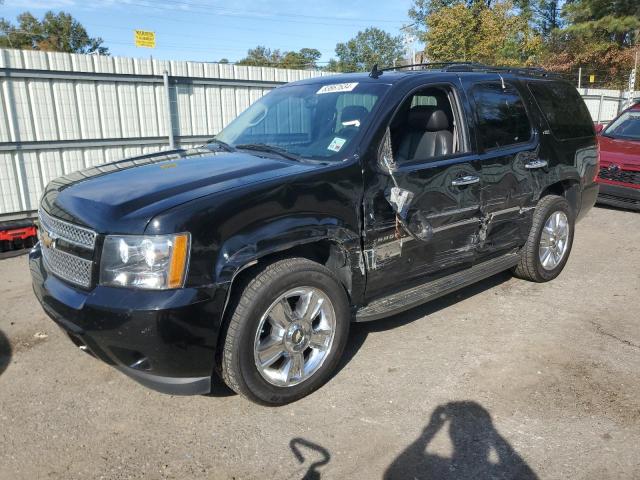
(165, 78)
(600, 107)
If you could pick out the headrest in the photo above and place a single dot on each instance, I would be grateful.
(438, 121)
(425, 117)
(352, 115)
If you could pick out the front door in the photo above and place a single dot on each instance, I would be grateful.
(422, 201)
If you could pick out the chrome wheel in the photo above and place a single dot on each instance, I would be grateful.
(554, 240)
(294, 336)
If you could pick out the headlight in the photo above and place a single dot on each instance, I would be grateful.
(156, 262)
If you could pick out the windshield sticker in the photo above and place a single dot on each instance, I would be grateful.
(336, 144)
(337, 87)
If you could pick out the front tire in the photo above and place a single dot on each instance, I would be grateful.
(549, 244)
(287, 332)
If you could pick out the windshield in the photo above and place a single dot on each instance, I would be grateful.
(626, 126)
(312, 121)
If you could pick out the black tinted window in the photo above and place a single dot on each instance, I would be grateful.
(501, 117)
(562, 106)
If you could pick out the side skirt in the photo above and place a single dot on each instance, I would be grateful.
(406, 299)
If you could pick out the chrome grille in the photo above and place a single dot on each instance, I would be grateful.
(57, 259)
(68, 267)
(83, 237)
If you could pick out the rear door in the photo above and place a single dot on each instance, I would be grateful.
(508, 147)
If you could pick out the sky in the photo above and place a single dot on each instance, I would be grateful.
(209, 30)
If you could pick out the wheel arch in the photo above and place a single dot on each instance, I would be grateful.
(326, 241)
(569, 189)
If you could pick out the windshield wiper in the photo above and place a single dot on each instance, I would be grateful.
(221, 144)
(263, 147)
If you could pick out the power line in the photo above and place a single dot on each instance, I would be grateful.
(275, 16)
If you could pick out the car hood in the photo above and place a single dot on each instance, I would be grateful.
(619, 151)
(123, 196)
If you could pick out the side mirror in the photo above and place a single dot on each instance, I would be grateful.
(598, 128)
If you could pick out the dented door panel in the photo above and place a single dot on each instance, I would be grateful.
(447, 213)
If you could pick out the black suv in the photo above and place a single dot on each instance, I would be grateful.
(329, 200)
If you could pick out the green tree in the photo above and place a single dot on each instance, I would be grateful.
(265, 57)
(617, 21)
(493, 34)
(261, 57)
(55, 32)
(367, 48)
(306, 58)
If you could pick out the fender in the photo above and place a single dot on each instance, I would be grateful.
(279, 235)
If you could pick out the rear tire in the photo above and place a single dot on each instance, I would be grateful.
(550, 240)
(274, 331)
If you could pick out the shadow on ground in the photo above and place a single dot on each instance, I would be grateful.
(305, 452)
(359, 331)
(479, 451)
(5, 352)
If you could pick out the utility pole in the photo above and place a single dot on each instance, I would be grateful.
(632, 80)
(409, 41)
(579, 77)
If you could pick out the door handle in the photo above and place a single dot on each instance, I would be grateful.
(466, 180)
(533, 164)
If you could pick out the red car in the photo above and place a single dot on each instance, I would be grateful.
(619, 175)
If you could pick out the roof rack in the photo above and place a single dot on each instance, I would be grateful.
(466, 67)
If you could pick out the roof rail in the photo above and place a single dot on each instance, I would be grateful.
(471, 67)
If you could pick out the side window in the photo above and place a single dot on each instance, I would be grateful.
(500, 114)
(564, 109)
(424, 127)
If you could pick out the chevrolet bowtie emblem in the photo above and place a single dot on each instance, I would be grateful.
(47, 239)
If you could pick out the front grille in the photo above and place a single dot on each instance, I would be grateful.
(619, 175)
(68, 267)
(65, 262)
(83, 237)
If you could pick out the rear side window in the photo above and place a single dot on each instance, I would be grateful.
(562, 106)
(500, 115)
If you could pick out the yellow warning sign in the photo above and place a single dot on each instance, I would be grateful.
(145, 39)
(592, 78)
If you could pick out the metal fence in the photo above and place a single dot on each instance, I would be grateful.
(604, 105)
(63, 112)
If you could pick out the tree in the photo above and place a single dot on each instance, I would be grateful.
(223, 60)
(55, 32)
(493, 34)
(617, 21)
(598, 36)
(305, 58)
(265, 57)
(367, 48)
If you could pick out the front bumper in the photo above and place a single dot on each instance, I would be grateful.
(619, 196)
(165, 340)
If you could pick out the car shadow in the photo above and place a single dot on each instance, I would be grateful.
(5, 352)
(360, 331)
(479, 451)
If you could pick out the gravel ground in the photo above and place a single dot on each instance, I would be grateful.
(505, 379)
